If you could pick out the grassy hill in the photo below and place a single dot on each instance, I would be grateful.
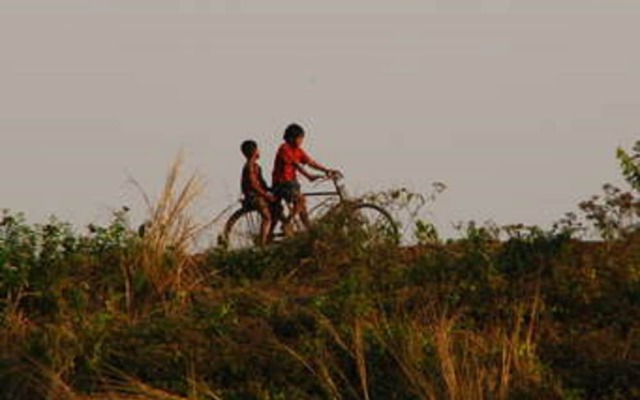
(500, 313)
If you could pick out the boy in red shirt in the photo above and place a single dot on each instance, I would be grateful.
(290, 160)
(255, 190)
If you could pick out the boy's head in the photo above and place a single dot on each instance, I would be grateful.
(250, 149)
(294, 135)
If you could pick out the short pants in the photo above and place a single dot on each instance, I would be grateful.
(288, 191)
(256, 203)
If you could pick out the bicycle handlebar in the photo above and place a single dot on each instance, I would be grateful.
(335, 178)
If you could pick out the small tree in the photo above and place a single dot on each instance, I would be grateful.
(631, 165)
(616, 213)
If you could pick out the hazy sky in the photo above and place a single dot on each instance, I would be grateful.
(517, 106)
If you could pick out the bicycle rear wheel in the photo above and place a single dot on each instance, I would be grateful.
(242, 230)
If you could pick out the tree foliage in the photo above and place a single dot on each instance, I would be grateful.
(630, 163)
(502, 313)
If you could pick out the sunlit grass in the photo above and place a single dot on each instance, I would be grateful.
(499, 313)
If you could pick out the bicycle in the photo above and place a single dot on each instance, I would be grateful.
(242, 229)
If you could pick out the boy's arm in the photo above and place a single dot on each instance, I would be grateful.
(319, 167)
(306, 173)
(257, 186)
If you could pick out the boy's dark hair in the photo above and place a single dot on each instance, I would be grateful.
(293, 132)
(249, 147)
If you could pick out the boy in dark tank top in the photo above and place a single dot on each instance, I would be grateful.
(255, 190)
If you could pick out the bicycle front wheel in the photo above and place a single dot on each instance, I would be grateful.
(377, 224)
(242, 230)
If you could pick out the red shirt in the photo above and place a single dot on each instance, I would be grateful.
(284, 169)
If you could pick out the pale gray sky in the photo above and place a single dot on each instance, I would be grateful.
(517, 105)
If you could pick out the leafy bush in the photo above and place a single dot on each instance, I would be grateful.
(500, 313)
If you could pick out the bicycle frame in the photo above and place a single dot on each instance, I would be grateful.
(340, 191)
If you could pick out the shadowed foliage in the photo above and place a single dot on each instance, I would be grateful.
(499, 313)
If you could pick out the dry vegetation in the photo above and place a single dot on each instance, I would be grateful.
(510, 313)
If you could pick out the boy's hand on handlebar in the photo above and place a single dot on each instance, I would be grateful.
(314, 178)
(334, 174)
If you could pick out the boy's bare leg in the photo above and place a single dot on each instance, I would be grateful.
(300, 207)
(287, 222)
(277, 215)
(265, 226)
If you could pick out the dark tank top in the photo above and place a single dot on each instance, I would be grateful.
(247, 187)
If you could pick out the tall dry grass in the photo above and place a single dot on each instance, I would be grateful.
(168, 240)
(129, 388)
(463, 363)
